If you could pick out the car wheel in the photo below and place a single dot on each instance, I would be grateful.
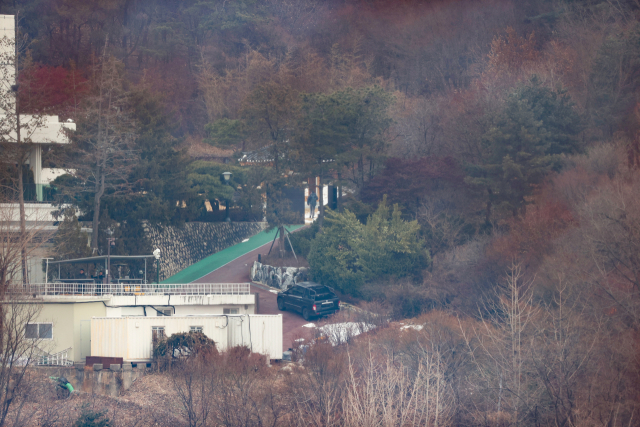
(280, 304)
(305, 314)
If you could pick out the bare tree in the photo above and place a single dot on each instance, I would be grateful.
(503, 376)
(103, 154)
(194, 382)
(317, 391)
(386, 393)
(19, 353)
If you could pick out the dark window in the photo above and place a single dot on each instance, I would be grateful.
(157, 333)
(45, 331)
(31, 331)
(38, 331)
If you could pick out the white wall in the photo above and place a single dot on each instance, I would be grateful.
(131, 337)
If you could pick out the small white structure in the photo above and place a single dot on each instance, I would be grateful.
(132, 337)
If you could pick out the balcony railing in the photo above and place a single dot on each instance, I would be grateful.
(120, 289)
(60, 358)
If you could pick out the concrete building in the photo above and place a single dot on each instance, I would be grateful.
(63, 324)
(38, 133)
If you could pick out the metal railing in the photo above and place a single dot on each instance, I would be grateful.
(60, 358)
(98, 289)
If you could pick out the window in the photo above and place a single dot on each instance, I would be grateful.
(36, 331)
(157, 333)
(195, 328)
(165, 312)
(229, 311)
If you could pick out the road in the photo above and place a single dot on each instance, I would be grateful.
(238, 271)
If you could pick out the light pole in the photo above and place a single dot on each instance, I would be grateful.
(156, 255)
(110, 241)
(227, 177)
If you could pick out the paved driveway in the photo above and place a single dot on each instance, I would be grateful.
(238, 271)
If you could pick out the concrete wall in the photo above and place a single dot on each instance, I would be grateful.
(184, 246)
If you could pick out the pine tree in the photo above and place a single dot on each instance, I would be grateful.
(525, 143)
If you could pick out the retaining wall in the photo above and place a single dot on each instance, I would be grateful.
(184, 246)
(95, 379)
(278, 277)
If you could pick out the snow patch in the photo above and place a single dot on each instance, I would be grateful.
(339, 333)
(309, 325)
(415, 327)
(275, 292)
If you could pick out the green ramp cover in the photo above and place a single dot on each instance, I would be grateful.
(217, 260)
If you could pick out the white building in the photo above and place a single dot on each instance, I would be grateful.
(63, 324)
(37, 133)
(132, 337)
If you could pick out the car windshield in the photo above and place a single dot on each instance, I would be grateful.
(321, 292)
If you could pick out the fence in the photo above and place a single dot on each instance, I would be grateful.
(97, 289)
(60, 358)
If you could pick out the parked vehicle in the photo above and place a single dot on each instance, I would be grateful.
(309, 299)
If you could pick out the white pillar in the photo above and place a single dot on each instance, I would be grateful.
(35, 163)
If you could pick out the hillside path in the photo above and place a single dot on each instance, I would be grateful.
(238, 271)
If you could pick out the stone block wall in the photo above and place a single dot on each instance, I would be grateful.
(278, 277)
(184, 246)
(96, 379)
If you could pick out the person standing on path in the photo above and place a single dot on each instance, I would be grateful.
(311, 201)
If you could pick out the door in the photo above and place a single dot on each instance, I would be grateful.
(85, 339)
(295, 298)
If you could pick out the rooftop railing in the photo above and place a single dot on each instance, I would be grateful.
(120, 289)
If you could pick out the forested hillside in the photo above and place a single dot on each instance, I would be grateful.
(489, 151)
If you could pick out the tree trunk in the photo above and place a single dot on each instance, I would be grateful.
(281, 241)
(339, 192)
(488, 212)
(96, 213)
(361, 170)
(320, 201)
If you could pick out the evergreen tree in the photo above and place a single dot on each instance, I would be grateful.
(348, 253)
(525, 143)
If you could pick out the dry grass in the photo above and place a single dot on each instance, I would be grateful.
(147, 403)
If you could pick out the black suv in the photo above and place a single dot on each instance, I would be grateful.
(310, 299)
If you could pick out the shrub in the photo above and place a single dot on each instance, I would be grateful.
(184, 345)
(301, 240)
(90, 418)
(348, 253)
